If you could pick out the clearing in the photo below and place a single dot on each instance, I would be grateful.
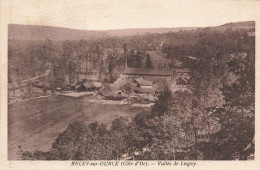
(35, 124)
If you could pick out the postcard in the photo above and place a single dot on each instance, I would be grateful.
(129, 84)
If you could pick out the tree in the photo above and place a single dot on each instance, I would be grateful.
(148, 61)
(72, 71)
(111, 67)
(135, 58)
(238, 120)
(171, 129)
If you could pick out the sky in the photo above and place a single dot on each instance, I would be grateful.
(121, 14)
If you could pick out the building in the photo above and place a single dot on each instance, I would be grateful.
(182, 76)
(140, 82)
(150, 74)
(88, 86)
(183, 72)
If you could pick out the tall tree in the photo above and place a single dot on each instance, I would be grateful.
(148, 62)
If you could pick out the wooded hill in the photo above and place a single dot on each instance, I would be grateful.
(34, 32)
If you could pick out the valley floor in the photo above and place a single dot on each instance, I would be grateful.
(35, 124)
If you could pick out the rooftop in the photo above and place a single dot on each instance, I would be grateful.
(143, 82)
(182, 70)
(143, 90)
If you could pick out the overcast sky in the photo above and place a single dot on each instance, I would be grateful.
(117, 14)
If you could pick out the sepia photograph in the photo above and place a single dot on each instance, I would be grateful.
(104, 83)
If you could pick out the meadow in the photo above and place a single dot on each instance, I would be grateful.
(35, 124)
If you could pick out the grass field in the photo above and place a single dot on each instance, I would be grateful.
(35, 124)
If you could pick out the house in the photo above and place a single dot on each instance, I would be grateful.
(182, 76)
(107, 91)
(80, 87)
(182, 70)
(151, 74)
(140, 82)
(121, 93)
(143, 90)
(110, 93)
(88, 86)
(182, 73)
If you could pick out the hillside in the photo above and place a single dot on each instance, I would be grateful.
(239, 25)
(142, 31)
(34, 32)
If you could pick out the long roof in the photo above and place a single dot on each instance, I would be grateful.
(148, 71)
(182, 70)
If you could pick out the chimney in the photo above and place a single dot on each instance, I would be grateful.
(125, 62)
(125, 54)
